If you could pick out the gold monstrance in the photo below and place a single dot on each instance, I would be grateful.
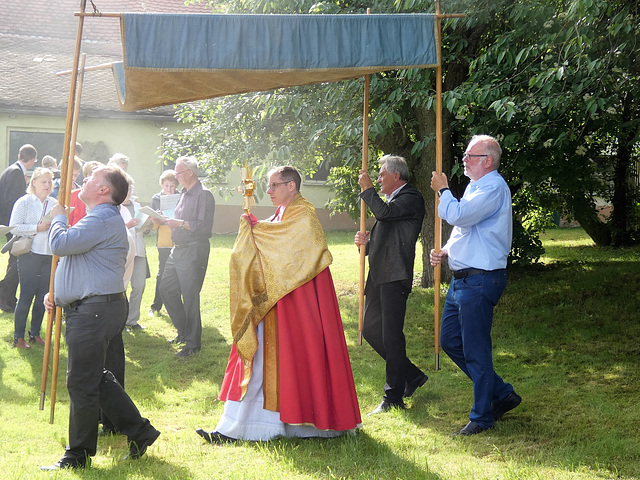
(246, 188)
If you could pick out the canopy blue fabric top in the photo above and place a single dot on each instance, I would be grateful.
(173, 58)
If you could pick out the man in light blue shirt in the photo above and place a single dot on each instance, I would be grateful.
(477, 251)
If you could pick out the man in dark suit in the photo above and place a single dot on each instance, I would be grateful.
(391, 246)
(13, 185)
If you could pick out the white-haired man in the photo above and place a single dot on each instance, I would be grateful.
(477, 251)
(186, 266)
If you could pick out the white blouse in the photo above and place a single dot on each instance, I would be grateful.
(25, 217)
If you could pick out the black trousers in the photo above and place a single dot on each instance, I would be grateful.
(383, 323)
(9, 284)
(90, 328)
(34, 271)
(182, 281)
(163, 255)
(114, 362)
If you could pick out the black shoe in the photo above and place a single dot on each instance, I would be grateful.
(385, 406)
(471, 428)
(411, 386)
(37, 340)
(214, 437)
(68, 462)
(137, 326)
(503, 406)
(138, 447)
(187, 352)
(177, 341)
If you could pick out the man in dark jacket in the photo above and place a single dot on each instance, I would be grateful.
(13, 185)
(391, 246)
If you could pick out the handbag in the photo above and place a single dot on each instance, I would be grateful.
(21, 246)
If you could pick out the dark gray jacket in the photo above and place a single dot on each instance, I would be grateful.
(392, 243)
(12, 187)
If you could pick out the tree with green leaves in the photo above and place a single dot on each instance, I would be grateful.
(560, 82)
(555, 80)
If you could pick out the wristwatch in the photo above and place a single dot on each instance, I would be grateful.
(441, 191)
(182, 226)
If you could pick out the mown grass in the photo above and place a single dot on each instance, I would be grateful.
(565, 335)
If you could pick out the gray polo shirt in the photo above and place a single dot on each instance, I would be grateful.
(93, 254)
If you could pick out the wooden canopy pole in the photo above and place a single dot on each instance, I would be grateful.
(437, 228)
(363, 205)
(66, 168)
(68, 185)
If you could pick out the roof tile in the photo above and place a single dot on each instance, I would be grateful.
(38, 40)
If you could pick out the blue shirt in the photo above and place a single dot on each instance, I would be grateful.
(481, 237)
(94, 253)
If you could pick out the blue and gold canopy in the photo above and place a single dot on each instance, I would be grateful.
(175, 58)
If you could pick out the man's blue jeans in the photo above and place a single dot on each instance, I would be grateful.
(466, 337)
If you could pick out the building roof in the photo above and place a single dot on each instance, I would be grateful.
(37, 40)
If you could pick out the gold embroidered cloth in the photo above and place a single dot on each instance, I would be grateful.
(268, 261)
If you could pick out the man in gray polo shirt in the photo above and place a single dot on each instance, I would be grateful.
(89, 286)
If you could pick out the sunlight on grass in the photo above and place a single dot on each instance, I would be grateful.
(565, 335)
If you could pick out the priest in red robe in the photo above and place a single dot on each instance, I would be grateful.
(289, 372)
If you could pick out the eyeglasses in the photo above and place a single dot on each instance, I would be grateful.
(180, 173)
(272, 186)
(468, 155)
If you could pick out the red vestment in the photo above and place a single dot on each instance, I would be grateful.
(79, 208)
(315, 378)
(314, 383)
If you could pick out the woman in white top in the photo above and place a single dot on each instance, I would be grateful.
(34, 267)
(137, 273)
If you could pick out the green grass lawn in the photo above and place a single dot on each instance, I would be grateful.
(565, 335)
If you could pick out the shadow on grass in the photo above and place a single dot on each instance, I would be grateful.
(13, 389)
(167, 371)
(565, 335)
(143, 468)
(349, 456)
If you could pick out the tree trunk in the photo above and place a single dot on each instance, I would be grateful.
(623, 193)
(422, 171)
(584, 211)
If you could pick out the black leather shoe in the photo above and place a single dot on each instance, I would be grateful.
(471, 428)
(214, 437)
(68, 462)
(411, 386)
(503, 406)
(177, 341)
(138, 447)
(385, 406)
(187, 352)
